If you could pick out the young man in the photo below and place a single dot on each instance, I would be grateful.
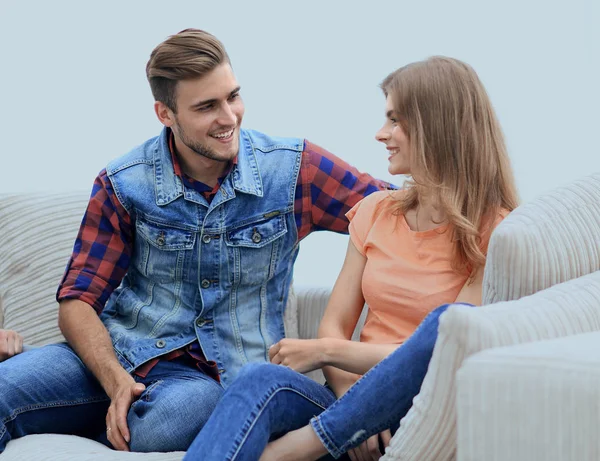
(181, 269)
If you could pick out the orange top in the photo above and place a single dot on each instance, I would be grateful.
(407, 274)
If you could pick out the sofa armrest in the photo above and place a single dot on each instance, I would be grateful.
(311, 304)
(535, 401)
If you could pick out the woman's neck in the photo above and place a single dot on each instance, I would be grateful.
(427, 215)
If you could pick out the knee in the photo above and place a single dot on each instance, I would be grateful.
(263, 374)
(167, 417)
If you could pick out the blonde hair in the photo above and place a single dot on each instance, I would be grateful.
(458, 155)
(190, 54)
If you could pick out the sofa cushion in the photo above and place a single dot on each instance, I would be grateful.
(534, 401)
(69, 447)
(428, 431)
(549, 240)
(38, 232)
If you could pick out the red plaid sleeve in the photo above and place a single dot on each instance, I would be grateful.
(102, 249)
(327, 189)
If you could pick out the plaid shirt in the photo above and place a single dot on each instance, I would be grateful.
(326, 189)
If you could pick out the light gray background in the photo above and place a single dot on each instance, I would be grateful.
(74, 94)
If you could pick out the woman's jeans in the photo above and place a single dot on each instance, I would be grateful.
(267, 401)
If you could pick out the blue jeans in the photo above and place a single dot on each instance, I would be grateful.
(267, 401)
(49, 390)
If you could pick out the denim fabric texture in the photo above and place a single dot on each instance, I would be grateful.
(194, 263)
(266, 401)
(49, 390)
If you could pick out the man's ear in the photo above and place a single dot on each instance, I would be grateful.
(164, 114)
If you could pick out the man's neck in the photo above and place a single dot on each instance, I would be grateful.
(200, 168)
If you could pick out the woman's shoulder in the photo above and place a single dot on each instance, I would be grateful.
(372, 206)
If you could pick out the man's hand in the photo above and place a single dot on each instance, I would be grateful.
(369, 449)
(11, 343)
(121, 398)
(301, 355)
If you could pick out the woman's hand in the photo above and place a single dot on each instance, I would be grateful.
(369, 449)
(301, 355)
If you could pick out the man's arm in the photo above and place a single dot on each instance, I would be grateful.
(87, 335)
(328, 187)
(11, 344)
(99, 262)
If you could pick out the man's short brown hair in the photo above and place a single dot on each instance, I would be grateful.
(190, 54)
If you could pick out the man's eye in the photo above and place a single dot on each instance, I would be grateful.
(204, 108)
(234, 96)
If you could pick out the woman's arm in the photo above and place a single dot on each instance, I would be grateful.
(471, 290)
(342, 360)
(342, 313)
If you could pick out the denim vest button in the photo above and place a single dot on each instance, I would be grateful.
(161, 343)
(206, 238)
(160, 240)
(201, 322)
(256, 237)
(205, 283)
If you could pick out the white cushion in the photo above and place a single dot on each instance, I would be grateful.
(53, 447)
(38, 234)
(538, 401)
(549, 240)
(428, 431)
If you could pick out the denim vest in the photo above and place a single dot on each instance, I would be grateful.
(219, 272)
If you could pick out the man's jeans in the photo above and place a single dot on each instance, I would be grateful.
(49, 390)
(266, 401)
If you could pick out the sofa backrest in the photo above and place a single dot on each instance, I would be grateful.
(38, 232)
(549, 240)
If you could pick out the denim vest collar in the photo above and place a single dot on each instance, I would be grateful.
(244, 176)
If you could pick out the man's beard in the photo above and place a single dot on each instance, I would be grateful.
(198, 147)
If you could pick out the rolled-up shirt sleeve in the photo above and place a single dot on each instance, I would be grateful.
(102, 250)
(328, 187)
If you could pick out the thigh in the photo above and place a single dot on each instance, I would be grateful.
(49, 389)
(264, 402)
(176, 404)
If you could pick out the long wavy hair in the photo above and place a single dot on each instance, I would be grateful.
(458, 155)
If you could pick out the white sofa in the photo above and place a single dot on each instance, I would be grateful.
(535, 278)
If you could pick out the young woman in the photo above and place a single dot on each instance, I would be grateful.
(410, 251)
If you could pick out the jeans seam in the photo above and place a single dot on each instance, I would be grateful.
(45, 406)
(151, 388)
(274, 392)
(324, 437)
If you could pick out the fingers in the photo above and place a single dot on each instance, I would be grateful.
(11, 343)
(112, 430)
(273, 350)
(10, 350)
(114, 424)
(386, 437)
(117, 430)
(372, 448)
(277, 359)
(3, 345)
(19, 344)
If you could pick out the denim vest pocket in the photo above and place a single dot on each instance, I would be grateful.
(163, 249)
(254, 249)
